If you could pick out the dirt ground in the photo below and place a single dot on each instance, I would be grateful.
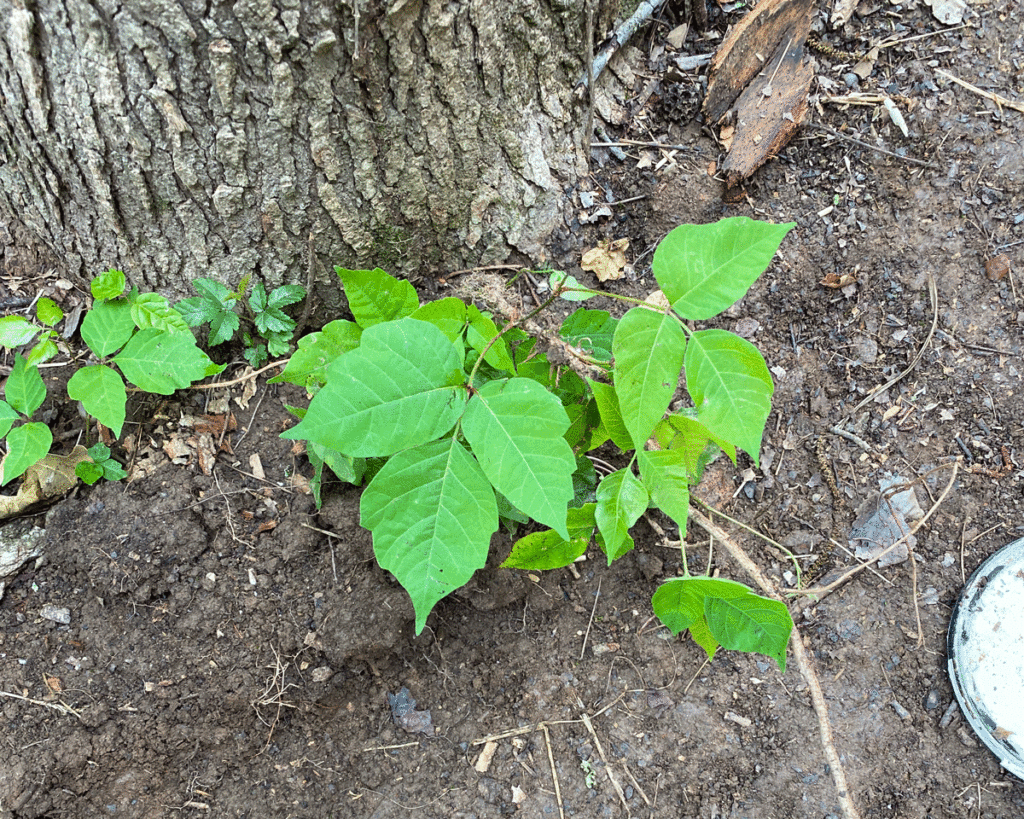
(198, 645)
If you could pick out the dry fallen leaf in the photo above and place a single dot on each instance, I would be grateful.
(836, 282)
(46, 480)
(607, 260)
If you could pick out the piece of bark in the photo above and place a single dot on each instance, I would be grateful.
(759, 82)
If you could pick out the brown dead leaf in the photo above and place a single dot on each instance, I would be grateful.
(835, 282)
(46, 480)
(206, 452)
(215, 424)
(256, 465)
(842, 11)
(607, 260)
(266, 526)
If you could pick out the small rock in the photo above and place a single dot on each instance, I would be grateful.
(900, 710)
(322, 673)
(58, 614)
(851, 79)
(931, 700)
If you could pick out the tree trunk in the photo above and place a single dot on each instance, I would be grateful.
(180, 138)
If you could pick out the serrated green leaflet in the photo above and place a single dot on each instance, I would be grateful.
(108, 326)
(8, 416)
(432, 513)
(24, 390)
(542, 551)
(161, 362)
(705, 269)
(481, 335)
(102, 393)
(107, 285)
(308, 365)
(15, 331)
(448, 315)
(375, 297)
(403, 386)
(48, 312)
(621, 500)
(666, 478)
(151, 310)
(26, 445)
(648, 350)
(731, 387)
(44, 350)
(515, 429)
(591, 331)
(574, 290)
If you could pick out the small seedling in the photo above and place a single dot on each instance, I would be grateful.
(269, 328)
(457, 425)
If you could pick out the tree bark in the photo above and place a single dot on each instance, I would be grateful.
(182, 138)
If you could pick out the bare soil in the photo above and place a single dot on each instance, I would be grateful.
(224, 656)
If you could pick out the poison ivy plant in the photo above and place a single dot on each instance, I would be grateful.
(467, 424)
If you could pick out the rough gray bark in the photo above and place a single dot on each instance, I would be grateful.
(181, 138)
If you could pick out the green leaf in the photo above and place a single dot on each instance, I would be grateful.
(705, 269)
(108, 326)
(16, 331)
(308, 365)
(374, 296)
(515, 429)
(258, 298)
(26, 445)
(44, 350)
(750, 623)
(25, 390)
(621, 500)
(107, 285)
(730, 612)
(48, 312)
(541, 551)
(611, 416)
(648, 349)
(432, 514)
(151, 310)
(591, 331)
(448, 315)
(694, 441)
(558, 277)
(102, 393)
(88, 472)
(286, 294)
(8, 416)
(161, 362)
(479, 334)
(403, 386)
(666, 478)
(213, 291)
(223, 327)
(273, 320)
(730, 386)
(347, 469)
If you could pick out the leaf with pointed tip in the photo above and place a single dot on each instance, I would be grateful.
(15, 331)
(678, 431)
(448, 315)
(648, 350)
(541, 551)
(107, 285)
(151, 310)
(621, 500)
(24, 390)
(108, 326)
(432, 513)
(515, 428)
(308, 365)
(611, 416)
(592, 331)
(162, 362)
(375, 297)
(26, 445)
(102, 393)
(8, 415)
(705, 269)
(731, 387)
(479, 334)
(403, 386)
(667, 480)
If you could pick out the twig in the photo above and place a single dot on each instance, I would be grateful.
(593, 610)
(554, 771)
(996, 98)
(802, 660)
(636, 143)
(59, 707)
(241, 379)
(909, 159)
(643, 13)
(600, 752)
(821, 591)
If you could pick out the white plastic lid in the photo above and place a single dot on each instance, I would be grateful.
(985, 651)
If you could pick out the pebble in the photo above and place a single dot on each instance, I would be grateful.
(931, 700)
(851, 79)
(948, 714)
(58, 614)
(900, 710)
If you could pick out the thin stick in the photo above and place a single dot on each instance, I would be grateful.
(554, 771)
(996, 98)
(908, 159)
(240, 380)
(635, 143)
(59, 707)
(600, 753)
(597, 597)
(618, 39)
(802, 660)
(823, 590)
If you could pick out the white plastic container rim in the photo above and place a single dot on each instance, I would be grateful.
(985, 653)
